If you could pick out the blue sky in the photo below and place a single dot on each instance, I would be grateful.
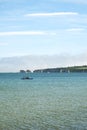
(43, 27)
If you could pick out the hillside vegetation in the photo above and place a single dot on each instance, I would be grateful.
(64, 69)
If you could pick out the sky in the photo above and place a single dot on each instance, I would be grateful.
(36, 28)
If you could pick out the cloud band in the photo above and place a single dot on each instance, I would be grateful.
(51, 14)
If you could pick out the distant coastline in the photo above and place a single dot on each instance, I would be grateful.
(60, 69)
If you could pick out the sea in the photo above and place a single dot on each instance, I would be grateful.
(50, 101)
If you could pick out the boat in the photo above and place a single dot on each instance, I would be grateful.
(26, 78)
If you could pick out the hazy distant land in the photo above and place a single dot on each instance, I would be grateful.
(60, 69)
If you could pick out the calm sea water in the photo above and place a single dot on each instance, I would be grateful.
(48, 102)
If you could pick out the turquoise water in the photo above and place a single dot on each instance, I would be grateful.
(48, 102)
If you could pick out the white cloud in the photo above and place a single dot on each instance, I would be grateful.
(51, 14)
(75, 29)
(26, 33)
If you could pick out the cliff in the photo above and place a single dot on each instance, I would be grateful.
(63, 69)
